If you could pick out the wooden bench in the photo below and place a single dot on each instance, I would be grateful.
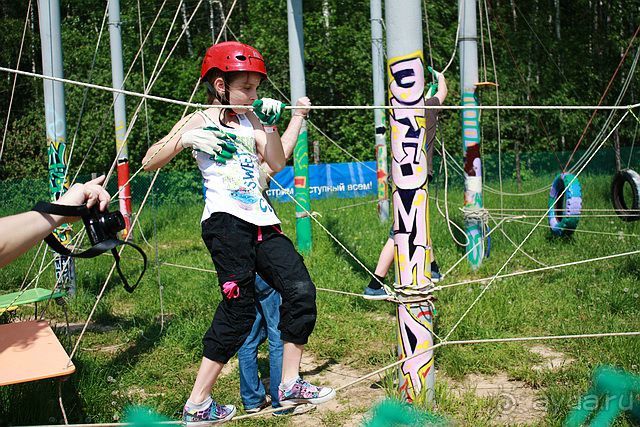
(30, 351)
(29, 296)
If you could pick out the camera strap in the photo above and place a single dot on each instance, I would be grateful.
(95, 250)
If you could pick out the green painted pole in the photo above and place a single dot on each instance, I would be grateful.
(301, 187)
(301, 152)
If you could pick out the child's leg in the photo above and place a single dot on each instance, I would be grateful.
(231, 243)
(385, 260)
(374, 289)
(207, 376)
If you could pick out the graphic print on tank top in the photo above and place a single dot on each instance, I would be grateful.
(234, 187)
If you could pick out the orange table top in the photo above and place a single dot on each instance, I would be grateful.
(30, 351)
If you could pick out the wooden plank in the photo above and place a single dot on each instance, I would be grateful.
(30, 351)
(29, 296)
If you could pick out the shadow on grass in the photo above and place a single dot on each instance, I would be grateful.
(320, 368)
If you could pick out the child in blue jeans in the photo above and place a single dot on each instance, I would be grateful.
(252, 390)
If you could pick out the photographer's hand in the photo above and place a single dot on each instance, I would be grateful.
(90, 193)
(20, 232)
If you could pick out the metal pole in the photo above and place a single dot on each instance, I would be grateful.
(301, 151)
(377, 49)
(468, 48)
(406, 85)
(120, 113)
(54, 111)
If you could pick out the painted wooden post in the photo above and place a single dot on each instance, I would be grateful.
(56, 126)
(406, 85)
(468, 48)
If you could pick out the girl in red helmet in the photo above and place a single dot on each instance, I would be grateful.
(239, 226)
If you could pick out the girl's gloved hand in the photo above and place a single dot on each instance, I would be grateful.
(269, 111)
(210, 140)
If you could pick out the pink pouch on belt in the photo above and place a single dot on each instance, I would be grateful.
(231, 290)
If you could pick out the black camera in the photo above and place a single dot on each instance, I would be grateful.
(102, 226)
(102, 229)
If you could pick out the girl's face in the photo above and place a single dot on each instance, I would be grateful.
(242, 89)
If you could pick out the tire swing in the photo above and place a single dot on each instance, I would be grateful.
(564, 211)
(617, 194)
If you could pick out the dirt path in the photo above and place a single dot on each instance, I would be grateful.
(519, 403)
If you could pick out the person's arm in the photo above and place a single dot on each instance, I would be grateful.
(20, 232)
(161, 153)
(442, 92)
(289, 138)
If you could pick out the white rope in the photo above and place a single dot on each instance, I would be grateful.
(151, 184)
(484, 290)
(488, 341)
(498, 126)
(15, 78)
(286, 98)
(581, 230)
(110, 108)
(537, 270)
(330, 107)
(355, 258)
(610, 117)
(514, 244)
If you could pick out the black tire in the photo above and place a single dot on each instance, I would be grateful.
(617, 195)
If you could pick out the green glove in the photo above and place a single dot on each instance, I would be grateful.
(433, 87)
(212, 140)
(269, 111)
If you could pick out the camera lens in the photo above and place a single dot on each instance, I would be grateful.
(112, 222)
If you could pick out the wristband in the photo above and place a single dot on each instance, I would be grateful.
(270, 129)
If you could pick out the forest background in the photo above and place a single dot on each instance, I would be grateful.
(547, 52)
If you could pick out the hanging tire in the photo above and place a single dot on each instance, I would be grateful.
(617, 195)
(564, 212)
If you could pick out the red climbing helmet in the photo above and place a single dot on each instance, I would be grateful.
(232, 56)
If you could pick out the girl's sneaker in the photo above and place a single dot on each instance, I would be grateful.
(375, 294)
(305, 392)
(211, 415)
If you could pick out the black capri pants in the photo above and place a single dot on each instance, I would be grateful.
(239, 250)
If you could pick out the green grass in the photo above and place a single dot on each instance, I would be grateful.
(137, 361)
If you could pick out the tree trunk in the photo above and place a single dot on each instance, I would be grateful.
(185, 26)
(316, 151)
(212, 27)
(514, 14)
(557, 2)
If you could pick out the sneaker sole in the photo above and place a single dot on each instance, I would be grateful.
(297, 410)
(314, 401)
(208, 423)
(376, 297)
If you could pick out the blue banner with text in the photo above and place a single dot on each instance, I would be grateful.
(347, 180)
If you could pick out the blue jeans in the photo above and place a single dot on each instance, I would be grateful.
(252, 390)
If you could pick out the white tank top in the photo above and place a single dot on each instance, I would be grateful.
(234, 187)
